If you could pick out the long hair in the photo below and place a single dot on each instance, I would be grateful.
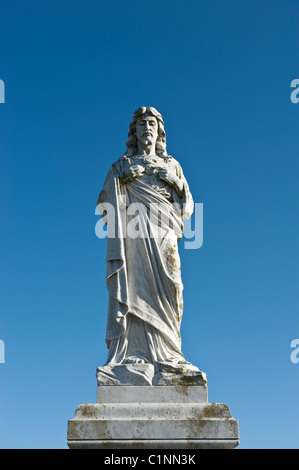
(132, 140)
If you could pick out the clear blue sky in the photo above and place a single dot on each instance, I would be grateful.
(220, 74)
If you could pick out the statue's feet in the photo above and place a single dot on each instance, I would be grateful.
(134, 360)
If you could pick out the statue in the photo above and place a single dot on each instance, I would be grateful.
(143, 271)
(148, 395)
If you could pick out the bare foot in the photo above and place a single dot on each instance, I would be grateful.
(134, 360)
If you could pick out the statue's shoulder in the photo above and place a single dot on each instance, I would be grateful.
(118, 164)
(176, 166)
(172, 161)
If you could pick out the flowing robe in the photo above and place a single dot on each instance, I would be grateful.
(143, 272)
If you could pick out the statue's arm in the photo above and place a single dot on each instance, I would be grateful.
(113, 173)
(185, 194)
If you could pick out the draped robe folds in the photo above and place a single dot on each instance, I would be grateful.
(143, 273)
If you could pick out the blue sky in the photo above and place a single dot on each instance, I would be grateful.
(220, 74)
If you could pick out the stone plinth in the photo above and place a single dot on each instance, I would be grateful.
(148, 374)
(153, 417)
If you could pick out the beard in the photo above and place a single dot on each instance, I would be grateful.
(148, 140)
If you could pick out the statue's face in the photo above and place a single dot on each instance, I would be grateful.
(147, 130)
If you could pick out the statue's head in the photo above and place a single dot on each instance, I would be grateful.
(156, 130)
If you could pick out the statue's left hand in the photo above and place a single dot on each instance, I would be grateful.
(171, 178)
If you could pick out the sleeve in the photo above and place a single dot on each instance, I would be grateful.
(185, 200)
(114, 172)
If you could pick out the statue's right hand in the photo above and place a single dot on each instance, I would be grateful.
(134, 172)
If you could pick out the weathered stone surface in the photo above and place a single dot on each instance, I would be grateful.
(143, 274)
(148, 394)
(162, 419)
(175, 444)
(148, 374)
(126, 374)
(178, 374)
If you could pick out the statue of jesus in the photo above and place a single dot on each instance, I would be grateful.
(143, 270)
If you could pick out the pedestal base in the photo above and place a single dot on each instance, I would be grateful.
(176, 444)
(153, 417)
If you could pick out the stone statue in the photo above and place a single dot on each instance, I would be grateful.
(148, 395)
(143, 266)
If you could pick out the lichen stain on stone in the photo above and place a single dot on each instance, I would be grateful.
(182, 390)
(72, 432)
(101, 429)
(195, 427)
(87, 411)
(123, 178)
(213, 411)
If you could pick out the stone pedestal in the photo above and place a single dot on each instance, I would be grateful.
(153, 417)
